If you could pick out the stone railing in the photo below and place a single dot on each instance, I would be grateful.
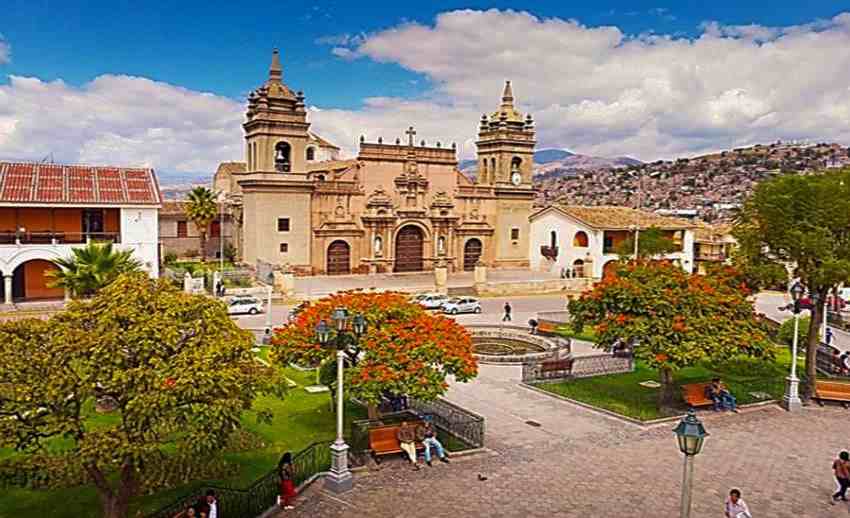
(582, 367)
(552, 347)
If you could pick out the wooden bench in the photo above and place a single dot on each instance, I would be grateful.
(694, 394)
(545, 327)
(832, 391)
(555, 368)
(383, 440)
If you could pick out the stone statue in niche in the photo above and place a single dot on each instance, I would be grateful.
(441, 245)
(378, 246)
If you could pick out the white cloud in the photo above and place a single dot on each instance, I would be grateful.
(598, 90)
(119, 120)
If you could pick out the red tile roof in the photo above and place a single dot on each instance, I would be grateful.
(76, 184)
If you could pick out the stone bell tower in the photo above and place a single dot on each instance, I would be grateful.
(276, 126)
(506, 163)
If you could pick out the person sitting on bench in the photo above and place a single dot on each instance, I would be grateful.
(723, 399)
(406, 436)
(428, 437)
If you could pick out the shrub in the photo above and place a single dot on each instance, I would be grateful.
(785, 334)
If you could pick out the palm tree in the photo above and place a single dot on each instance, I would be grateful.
(92, 267)
(202, 209)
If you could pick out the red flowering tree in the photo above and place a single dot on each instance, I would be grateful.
(405, 349)
(673, 318)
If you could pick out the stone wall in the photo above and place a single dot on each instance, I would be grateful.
(501, 289)
(600, 364)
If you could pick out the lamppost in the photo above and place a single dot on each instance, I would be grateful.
(791, 400)
(690, 433)
(340, 479)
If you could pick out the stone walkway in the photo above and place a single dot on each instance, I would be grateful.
(780, 461)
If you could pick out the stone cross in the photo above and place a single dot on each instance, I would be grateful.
(411, 133)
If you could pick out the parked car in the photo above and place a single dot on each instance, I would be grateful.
(433, 301)
(240, 305)
(462, 305)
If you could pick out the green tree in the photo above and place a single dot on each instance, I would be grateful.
(673, 319)
(202, 209)
(652, 243)
(177, 369)
(405, 350)
(801, 221)
(92, 267)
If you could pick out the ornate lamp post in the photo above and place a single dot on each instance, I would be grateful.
(690, 433)
(791, 399)
(340, 478)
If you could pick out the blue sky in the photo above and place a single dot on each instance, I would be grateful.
(114, 83)
(223, 47)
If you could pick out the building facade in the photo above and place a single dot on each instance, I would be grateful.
(178, 235)
(46, 210)
(581, 241)
(400, 206)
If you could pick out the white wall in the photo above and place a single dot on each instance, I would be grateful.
(140, 233)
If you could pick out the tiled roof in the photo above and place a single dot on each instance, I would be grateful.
(228, 168)
(77, 184)
(172, 207)
(610, 217)
(713, 233)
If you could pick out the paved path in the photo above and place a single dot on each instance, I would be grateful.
(780, 461)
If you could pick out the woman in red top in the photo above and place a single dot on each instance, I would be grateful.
(287, 484)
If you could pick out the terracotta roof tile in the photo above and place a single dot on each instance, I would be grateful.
(54, 183)
(610, 217)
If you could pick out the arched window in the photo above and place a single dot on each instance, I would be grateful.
(516, 162)
(580, 239)
(492, 167)
(281, 157)
(484, 170)
(311, 154)
(553, 239)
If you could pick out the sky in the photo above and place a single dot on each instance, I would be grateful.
(130, 83)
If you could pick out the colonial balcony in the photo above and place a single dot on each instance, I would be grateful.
(49, 237)
(549, 252)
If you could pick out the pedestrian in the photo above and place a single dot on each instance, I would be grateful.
(735, 506)
(841, 468)
(828, 336)
(507, 317)
(287, 484)
(212, 504)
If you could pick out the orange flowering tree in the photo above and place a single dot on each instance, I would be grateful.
(673, 319)
(405, 349)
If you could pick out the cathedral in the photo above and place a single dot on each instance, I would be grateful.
(399, 206)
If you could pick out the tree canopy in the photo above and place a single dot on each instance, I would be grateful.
(652, 243)
(802, 222)
(92, 267)
(202, 209)
(673, 318)
(405, 349)
(176, 368)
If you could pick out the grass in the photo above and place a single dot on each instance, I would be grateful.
(299, 420)
(587, 334)
(620, 393)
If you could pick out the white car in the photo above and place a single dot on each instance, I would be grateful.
(462, 305)
(239, 305)
(433, 301)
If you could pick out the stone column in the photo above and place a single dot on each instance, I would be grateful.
(480, 276)
(441, 276)
(7, 289)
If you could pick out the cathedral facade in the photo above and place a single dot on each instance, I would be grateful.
(400, 206)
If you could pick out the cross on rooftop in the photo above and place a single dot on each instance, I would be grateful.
(411, 133)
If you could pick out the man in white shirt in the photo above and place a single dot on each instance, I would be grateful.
(736, 507)
(212, 501)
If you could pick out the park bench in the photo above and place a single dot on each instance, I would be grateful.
(556, 368)
(832, 391)
(546, 327)
(383, 440)
(695, 395)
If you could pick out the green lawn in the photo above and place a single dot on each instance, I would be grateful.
(621, 393)
(300, 419)
(587, 334)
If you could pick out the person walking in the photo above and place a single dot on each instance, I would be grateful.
(507, 317)
(735, 506)
(841, 468)
(287, 485)
(828, 336)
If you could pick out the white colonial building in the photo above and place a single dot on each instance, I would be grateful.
(48, 209)
(581, 241)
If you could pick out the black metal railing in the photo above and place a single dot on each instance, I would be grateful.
(459, 422)
(47, 237)
(259, 496)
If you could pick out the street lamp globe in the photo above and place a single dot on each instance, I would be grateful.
(690, 433)
(359, 325)
(340, 318)
(323, 333)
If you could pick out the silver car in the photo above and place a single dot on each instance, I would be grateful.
(239, 305)
(462, 305)
(433, 301)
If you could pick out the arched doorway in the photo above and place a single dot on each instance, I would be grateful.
(610, 269)
(30, 281)
(339, 258)
(408, 249)
(578, 268)
(471, 253)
